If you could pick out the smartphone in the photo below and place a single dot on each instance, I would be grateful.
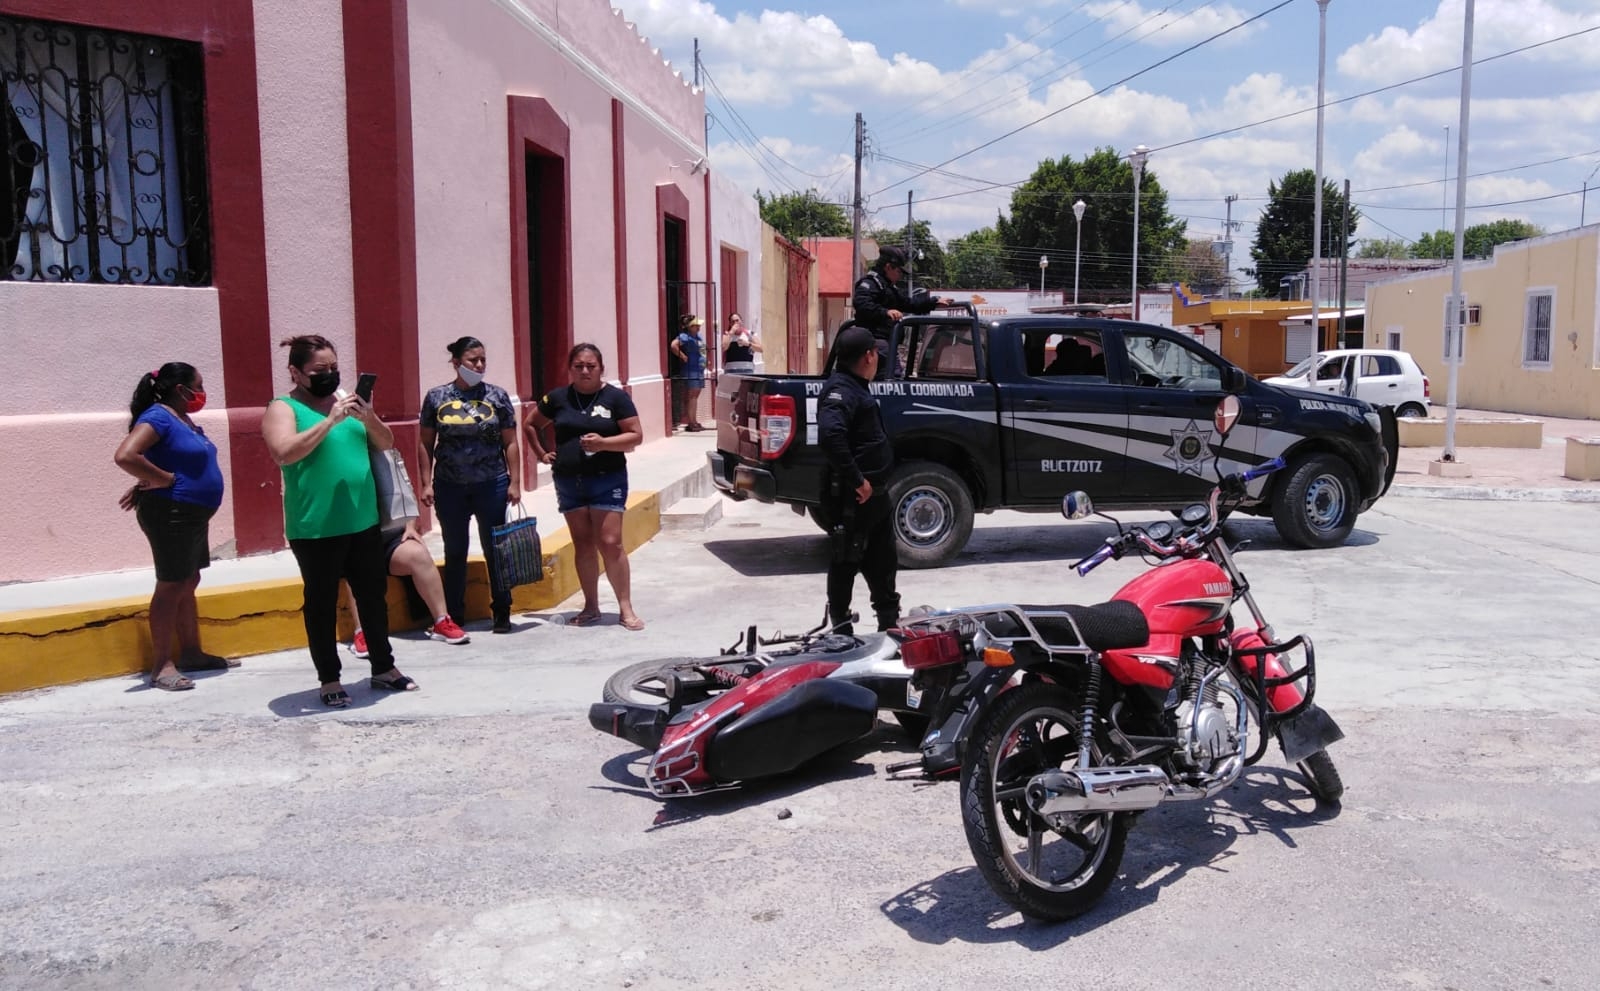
(364, 385)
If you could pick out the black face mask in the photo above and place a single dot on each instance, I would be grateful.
(323, 383)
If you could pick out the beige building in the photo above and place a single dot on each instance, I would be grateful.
(1532, 342)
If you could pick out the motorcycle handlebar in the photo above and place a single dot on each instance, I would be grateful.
(1264, 469)
(1107, 551)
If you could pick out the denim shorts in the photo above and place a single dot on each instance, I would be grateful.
(607, 492)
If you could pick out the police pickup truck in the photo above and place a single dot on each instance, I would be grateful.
(1014, 412)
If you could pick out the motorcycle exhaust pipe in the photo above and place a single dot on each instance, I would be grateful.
(1098, 789)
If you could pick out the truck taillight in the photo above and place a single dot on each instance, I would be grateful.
(921, 650)
(776, 425)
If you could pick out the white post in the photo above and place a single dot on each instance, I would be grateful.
(1316, 209)
(1454, 318)
(1044, 263)
(1077, 249)
(1140, 155)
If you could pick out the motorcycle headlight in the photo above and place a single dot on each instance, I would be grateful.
(1374, 421)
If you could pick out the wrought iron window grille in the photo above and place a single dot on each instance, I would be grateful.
(102, 157)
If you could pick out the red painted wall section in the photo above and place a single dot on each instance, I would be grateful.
(619, 234)
(383, 230)
(226, 30)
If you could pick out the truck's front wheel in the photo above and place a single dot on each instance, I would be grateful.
(1315, 504)
(932, 513)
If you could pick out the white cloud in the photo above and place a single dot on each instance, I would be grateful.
(1168, 28)
(1498, 25)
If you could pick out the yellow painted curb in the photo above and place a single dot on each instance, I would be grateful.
(42, 648)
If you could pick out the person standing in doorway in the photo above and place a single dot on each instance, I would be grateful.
(690, 349)
(739, 347)
(851, 435)
(470, 467)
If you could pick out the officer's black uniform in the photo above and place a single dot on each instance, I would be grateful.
(850, 432)
(875, 295)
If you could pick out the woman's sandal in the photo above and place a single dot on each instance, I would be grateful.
(585, 619)
(172, 683)
(336, 699)
(203, 661)
(400, 684)
(636, 624)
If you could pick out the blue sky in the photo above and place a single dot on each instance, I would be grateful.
(939, 80)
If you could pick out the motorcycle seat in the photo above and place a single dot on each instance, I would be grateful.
(1107, 626)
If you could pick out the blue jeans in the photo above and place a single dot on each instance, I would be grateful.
(455, 504)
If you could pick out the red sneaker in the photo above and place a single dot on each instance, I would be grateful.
(358, 646)
(447, 630)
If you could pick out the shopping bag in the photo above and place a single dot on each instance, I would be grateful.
(517, 555)
(397, 500)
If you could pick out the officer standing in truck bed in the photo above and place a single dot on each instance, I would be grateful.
(879, 302)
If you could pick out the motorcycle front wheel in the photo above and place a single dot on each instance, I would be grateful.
(1046, 872)
(1324, 778)
(647, 683)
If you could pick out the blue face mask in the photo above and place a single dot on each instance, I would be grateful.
(469, 376)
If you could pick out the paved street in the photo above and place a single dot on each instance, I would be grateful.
(479, 834)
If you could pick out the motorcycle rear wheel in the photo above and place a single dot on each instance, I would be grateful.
(1323, 777)
(1047, 873)
(645, 683)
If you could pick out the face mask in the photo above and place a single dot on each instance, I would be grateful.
(472, 378)
(196, 401)
(323, 383)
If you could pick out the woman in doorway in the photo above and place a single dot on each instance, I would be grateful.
(470, 468)
(179, 489)
(595, 425)
(690, 349)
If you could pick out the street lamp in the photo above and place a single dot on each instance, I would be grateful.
(1044, 263)
(1141, 154)
(1316, 210)
(1077, 249)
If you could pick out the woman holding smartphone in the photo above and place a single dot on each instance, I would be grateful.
(470, 468)
(322, 442)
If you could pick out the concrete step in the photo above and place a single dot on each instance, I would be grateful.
(694, 513)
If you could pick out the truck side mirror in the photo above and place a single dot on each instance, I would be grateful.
(1232, 379)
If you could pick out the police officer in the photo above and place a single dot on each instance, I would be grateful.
(879, 302)
(850, 432)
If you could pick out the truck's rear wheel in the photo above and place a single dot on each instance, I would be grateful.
(932, 514)
(1315, 504)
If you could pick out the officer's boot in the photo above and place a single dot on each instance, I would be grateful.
(888, 612)
(840, 619)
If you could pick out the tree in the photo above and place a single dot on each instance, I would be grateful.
(928, 266)
(1042, 224)
(1478, 241)
(1283, 237)
(1384, 247)
(1197, 266)
(977, 261)
(798, 216)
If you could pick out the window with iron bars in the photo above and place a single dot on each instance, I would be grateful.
(1536, 328)
(102, 157)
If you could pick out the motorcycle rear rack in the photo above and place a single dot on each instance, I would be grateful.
(676, 769)
(1262, 684)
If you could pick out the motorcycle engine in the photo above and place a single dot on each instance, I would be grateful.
(1211, 736)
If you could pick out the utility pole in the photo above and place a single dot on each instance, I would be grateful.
(1444, 194)
(1316, 207)
(1457, 308)
(855, 213)
(911, 259)
(1344, 261)
(1227, 253)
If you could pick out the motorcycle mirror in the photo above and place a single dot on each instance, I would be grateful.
(1076, 505)
(1227, 414)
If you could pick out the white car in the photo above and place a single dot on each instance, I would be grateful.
(1383, 378)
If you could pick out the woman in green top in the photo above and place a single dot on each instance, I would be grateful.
(321, 437)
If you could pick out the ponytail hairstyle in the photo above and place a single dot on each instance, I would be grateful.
(157, 386)
(303, 347)
(461, 346)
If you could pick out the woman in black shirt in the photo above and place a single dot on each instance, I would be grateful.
(595, 424)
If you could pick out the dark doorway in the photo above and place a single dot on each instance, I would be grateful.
(546, 208)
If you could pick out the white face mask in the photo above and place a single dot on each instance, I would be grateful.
(469, 376)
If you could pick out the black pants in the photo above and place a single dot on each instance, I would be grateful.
(870, 551)
(361, 560)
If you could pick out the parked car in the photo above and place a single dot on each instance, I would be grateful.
(1383, 378)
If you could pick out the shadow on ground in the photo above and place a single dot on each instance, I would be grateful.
(1165, 845)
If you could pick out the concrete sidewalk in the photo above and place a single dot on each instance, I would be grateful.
(95, 626)
(1527, 474)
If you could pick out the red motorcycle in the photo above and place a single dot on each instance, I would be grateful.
(1068, 721)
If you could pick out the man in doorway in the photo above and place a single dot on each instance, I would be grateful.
(879, 302)
(850, 432)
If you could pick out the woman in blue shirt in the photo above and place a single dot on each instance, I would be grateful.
(179, 489)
